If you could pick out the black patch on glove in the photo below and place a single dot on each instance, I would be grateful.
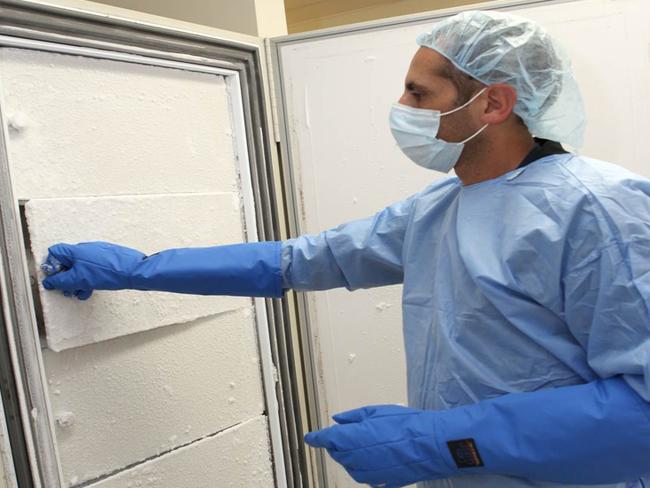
(465, 453)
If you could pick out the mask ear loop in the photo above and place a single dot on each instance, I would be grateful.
(473, 136)
(466, 103)
(462, 107)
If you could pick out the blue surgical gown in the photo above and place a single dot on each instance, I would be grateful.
(539, 278)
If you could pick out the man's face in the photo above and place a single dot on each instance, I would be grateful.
(427, 87)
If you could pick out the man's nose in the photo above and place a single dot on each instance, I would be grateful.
(404, 99)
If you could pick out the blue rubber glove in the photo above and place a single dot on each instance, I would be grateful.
(251, 269)
(594, 433)
(385, 445)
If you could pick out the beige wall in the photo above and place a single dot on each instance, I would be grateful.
(304, 15)
(270, 18)
(263, 18)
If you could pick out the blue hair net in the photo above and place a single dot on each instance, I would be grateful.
(495, 47)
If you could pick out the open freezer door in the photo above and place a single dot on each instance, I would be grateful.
(334, 90)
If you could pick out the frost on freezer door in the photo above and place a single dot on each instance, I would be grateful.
(148, 223)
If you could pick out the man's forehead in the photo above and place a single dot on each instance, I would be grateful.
(427, 67)
(428, 62)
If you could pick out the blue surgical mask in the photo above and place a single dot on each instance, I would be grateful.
(416, 131)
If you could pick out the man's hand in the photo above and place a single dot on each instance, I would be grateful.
(78, 269)
(384, 445)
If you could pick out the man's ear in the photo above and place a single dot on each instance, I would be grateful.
(500, 103)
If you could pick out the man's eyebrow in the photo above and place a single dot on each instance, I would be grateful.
(413, 86)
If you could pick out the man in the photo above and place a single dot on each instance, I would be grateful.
(526, 279)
